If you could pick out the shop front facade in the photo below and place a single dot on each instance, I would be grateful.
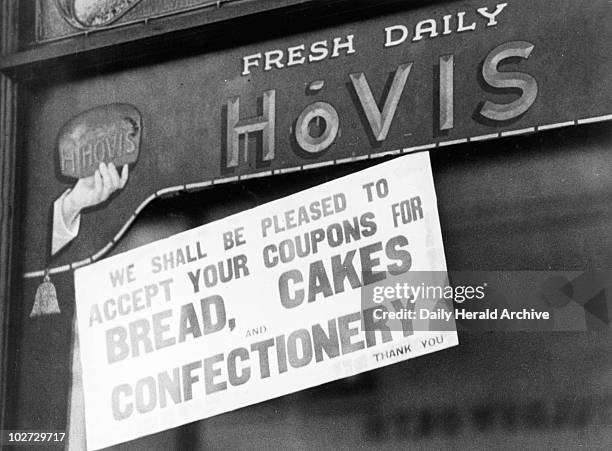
(218, 107)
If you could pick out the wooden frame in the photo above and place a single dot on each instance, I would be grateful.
(8, 151)
(207, 29)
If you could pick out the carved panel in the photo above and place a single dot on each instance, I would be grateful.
(57, 19)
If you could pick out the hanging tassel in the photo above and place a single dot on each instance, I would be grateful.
(45, 302)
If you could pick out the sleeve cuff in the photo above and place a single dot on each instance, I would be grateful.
(62, 233)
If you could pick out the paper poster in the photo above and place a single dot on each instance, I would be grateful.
(257, 305)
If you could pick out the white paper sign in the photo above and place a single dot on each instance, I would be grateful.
(255, 306)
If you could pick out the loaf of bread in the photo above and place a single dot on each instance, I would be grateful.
(108, 133)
